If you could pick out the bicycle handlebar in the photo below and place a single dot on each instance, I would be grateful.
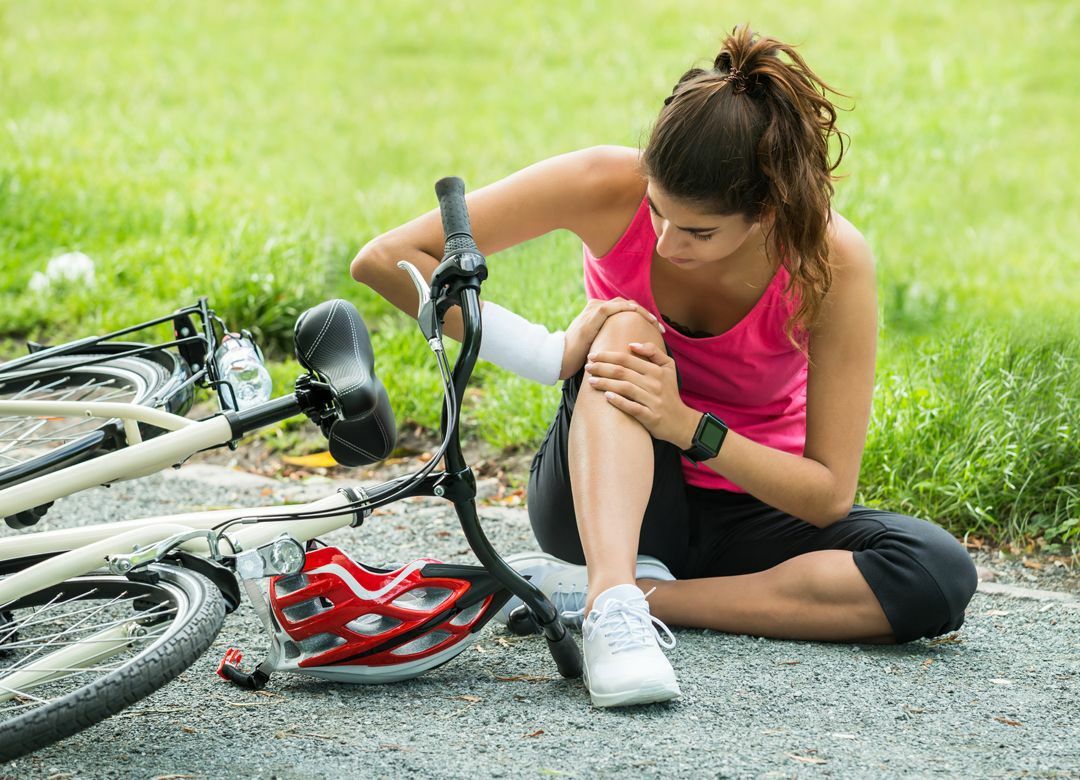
(455, 216)
(464, 268)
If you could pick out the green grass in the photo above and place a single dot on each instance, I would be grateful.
(246, 150)
(980, 430)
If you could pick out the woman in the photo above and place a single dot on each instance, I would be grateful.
(722, 444)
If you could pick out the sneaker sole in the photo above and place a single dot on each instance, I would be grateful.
(542, 557)
(649, 693)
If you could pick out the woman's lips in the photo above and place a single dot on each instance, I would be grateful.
(678, 260)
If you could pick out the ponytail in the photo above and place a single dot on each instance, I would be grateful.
(751, 136)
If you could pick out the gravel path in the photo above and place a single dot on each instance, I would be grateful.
(1001, 698)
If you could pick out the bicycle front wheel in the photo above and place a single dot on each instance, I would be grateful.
(31, 446)
(75, 653)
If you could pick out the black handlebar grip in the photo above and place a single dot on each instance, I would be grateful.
(455, 216)
(566, 654)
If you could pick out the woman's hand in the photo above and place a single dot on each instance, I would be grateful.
(643, 383)
(583, 330)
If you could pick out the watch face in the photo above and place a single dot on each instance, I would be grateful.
(712, 435)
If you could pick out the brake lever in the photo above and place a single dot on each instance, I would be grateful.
(426, 316)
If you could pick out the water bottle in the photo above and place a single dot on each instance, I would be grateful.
(240, 366)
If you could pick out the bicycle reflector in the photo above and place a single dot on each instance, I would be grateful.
(344, 621)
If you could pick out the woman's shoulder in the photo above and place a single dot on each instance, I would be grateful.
(853, 291)
(849, 251)
(847, 245)
(616, 186)
(614, 169)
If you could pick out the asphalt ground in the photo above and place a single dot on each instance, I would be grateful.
(999, 698)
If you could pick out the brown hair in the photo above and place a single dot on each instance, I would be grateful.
(751, 136)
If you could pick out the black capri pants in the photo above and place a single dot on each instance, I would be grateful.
(920, 573)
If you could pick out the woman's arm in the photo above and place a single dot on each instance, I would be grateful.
(820, 486)
(589, 192)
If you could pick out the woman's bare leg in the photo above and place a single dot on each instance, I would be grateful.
(611, 468)
(819, 595)
(816, 596)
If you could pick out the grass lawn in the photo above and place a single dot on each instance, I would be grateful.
(246, 150)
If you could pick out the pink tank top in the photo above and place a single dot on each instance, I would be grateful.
(750, 376)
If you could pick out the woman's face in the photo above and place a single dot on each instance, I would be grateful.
(690, 238)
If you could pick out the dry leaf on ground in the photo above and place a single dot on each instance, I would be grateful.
(318, 460)
(524, 678)
(950, 639)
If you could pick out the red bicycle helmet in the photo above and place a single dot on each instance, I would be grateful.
(341, 620)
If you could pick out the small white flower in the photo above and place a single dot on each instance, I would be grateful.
(39, 282)
(71, 267)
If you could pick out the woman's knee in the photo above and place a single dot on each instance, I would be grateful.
(922, 575)
(620, 329)
(953, 571)
(615, 335)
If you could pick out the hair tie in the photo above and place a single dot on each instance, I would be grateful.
(737, 80)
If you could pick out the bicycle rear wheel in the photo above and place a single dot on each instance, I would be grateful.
(141, 634)
(32, 446)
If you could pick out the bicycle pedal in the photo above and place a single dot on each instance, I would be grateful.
(520, 621)
(232, 658)
(230, 671)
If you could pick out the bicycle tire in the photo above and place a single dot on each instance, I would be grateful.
(137, 380)
(199, 614)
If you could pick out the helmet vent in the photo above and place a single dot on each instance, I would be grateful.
(420, 644)
(372, 624)
(283, 586)
(422, 599)
(307, 609)
(320, 643)
(467, 616)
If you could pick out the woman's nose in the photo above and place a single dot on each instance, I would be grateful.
(667, 241)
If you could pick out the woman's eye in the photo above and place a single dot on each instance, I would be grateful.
(700, 237)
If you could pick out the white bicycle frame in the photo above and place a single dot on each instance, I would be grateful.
(141, 458)
(80, 551)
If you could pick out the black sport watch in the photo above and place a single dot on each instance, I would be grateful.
(707, 440)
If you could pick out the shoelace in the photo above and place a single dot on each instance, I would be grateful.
(570, 604)
(629, 624)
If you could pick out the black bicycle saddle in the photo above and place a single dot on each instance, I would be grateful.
(332, 342)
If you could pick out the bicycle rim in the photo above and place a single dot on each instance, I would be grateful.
(130, 638)
(30, 446)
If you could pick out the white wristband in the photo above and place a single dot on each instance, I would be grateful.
(512, 342)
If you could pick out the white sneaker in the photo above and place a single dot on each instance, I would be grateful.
(562, 582)
(623, 660)
(566, 583)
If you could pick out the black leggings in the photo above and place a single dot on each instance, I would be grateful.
(921, 575)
